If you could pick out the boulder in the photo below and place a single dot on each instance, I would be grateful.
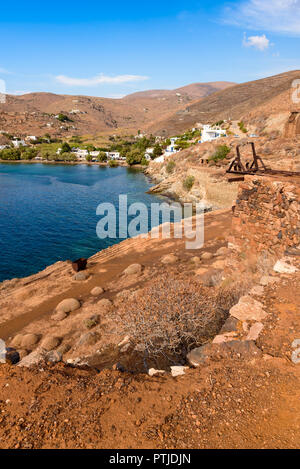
(133, 269)
(248, 309)
(227, 337)
(258, 290)
(54, 356)
(34, 358)
(206, 256)
(222, 251)
(169, 259)
(68, 305)
(12, 356)
(178, 370)
(283, 267)
(154, 372)
(89, 338)
(59, 316)
(231, 325)
(96, 291)
(243, 348)
(200, 355)
(29, 340)
(196, 259)
(17, 340)
(81, 276)
(255, 330)
(8, 354)
(50, 343)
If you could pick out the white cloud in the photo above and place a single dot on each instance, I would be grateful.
(99, 80)
(258, 42)
(282, 16)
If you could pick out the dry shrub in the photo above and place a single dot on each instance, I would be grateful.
(172, 316)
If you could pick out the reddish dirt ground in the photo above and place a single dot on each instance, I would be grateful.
(232, 402)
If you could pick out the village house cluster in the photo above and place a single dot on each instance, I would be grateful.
(208, 133)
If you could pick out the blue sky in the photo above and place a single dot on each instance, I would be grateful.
(115, 48)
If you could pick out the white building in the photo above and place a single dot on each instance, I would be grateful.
(31, 138)
(114, 155)
(18, 143)
(209, 133)
(79, 153)
(94, 154)
(149, 152)
(171, 148)
(160, 159)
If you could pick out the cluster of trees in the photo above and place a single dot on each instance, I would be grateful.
(15, 154)
(63, 118)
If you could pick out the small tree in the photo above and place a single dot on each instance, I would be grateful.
(134, 157)
(102, 157)
(157, 151)
(220, 153)
(65, 148)
(113, 163)
(188, 183)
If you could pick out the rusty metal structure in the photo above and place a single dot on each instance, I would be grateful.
(238, 167)
(255, 167)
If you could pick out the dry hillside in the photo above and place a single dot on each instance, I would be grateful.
(250, 101)
(34, 113)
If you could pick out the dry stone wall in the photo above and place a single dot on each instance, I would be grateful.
(266, 219)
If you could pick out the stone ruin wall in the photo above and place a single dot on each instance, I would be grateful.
(266, 219)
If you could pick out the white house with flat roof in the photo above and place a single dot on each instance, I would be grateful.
(210, 133)
(171, 148)
(18, 143)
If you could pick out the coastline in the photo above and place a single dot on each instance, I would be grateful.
(69, 163)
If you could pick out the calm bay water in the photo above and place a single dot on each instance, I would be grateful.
(48, 212)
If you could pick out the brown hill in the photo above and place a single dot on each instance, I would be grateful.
(34, 113)
(255, 99)
(189, 92)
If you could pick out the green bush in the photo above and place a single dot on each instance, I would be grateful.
(29, 154)
(170, 167)
(102, 157)
(65, 148)
(220, 153)
(63, 118)
(188, 182)
(134, 157)
(242, 127)
(10, 154)
(144, 162)
(113, 163)
(157, 151)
